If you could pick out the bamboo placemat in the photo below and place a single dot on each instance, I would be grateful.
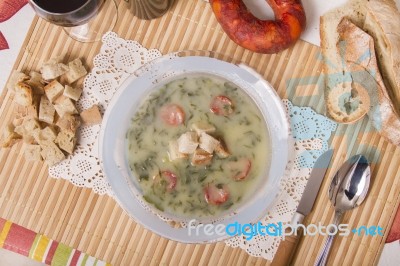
(98, 226)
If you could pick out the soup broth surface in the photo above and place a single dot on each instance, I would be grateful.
(183, 179)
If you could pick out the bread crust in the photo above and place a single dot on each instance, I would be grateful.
(383, 24)
(335, 72)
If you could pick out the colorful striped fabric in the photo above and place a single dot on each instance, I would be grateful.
(40, 248)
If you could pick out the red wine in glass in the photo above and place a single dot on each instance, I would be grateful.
(77, 16)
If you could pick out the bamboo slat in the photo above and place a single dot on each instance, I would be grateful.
(98, 226)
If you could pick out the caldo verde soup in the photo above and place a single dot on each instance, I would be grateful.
(198, 146)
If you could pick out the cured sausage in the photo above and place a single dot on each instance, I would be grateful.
(262, 36)
(172, 114)
(216, 194)
(221, 105)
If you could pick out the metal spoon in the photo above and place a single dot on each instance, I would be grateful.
(348, 190)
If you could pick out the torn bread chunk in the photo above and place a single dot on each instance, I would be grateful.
(53, 90)
(32, 152)
(33, 110)
(208, 143)
(51, 153)
(46, 110)
(27, 129)
(174, 153)
(201, 127)
(68, 123)
(10, 137)
(72, 93)
(16, 77)
(36, 82)
(187, 143)
(66, 141)
(53, 69)
(47, 133)
(201, 157)
(221, 150)
(76, 71)
(23, 94)
(91, 116)
(64, 105)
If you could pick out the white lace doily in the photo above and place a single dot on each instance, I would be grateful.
(118, 59)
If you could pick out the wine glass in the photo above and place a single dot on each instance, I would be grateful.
(83, 20)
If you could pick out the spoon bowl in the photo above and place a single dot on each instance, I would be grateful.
(350, 185)
(348, 189)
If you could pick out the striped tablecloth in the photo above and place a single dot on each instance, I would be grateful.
(39, 247)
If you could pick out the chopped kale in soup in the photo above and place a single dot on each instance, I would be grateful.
(198, 146)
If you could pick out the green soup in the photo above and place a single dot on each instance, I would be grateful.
(174, 181)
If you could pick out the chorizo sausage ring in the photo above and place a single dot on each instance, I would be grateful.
(262, 36)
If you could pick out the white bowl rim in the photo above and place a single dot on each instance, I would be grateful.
(199, 64)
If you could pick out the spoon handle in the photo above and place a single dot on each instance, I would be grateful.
(323, 255)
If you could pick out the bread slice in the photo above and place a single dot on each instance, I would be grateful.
(337, 81)
(383, 24)
(366, 77)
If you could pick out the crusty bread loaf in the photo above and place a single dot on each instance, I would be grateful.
(382, 22)
(337, 81)
(351, 68)
(366, 76)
